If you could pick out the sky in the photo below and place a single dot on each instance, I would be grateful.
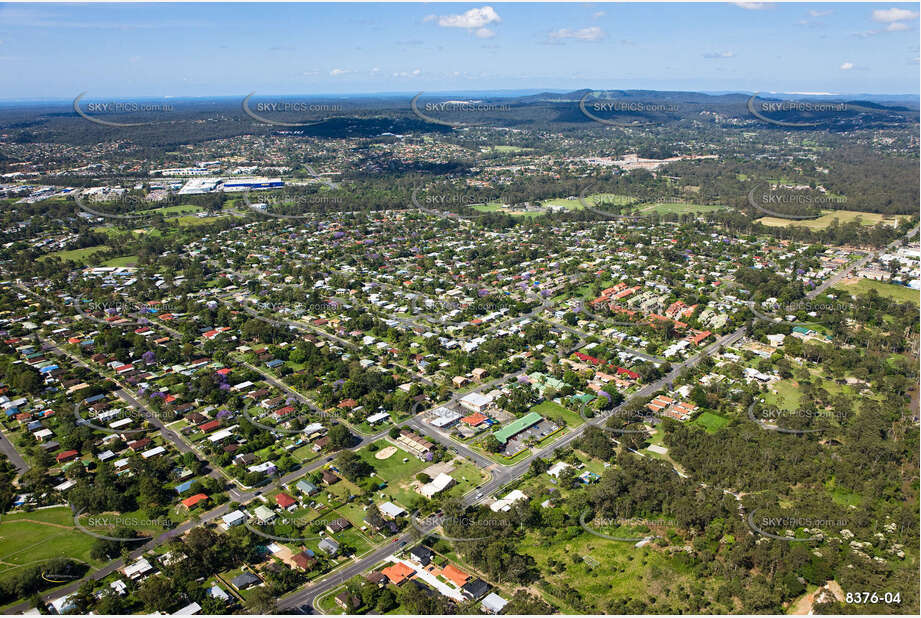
(56, 51)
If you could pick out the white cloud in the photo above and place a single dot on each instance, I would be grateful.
(413, 73)
(338, 72)
(752, 6)
(715, 55)
(897, 26)
(473, 19)
(592, 33)
(890, 15)
(598, 14)
(484, 33)
(847, 66)
(815, 13)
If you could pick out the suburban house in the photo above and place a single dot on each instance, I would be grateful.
(437, 485)
(398, 573)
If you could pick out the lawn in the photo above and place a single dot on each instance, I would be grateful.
(825, 220)
(510, 149)
(787, 396)
(680, 208)
(30, 538)
(77, 255)
(127, 260)
(473, 475)
(393, 468)
(711, 422)
(556, 412)
(182, 209)
(889, 290)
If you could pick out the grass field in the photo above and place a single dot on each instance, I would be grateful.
(497, 207)
(186, 209)
(32, 538)
(711, 422)
(508, 149)
(554, 411)
(889, 290)
(822, 222)
(77, 255)
(126, 260)
(680, 208)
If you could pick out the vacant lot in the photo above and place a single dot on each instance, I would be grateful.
(622, 572)
(83, 255)
(900, 293)
(843, 216)
(556, 412)
(32, 538)
(680, 208)
(711, 422)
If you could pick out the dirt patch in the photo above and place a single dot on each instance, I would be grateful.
(385, 452)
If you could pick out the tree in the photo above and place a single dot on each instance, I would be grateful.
(340, 437)
(491, 444)
(262, 601)
(352, 466)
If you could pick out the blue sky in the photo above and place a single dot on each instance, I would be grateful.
(60, 50)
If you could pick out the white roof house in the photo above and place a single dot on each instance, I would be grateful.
(437, 485)
(475, 402)
(138, 569)
(234, 519)
(189, 610)
(506, 503)
(556, 468)
(157, 450)
(493, 603)
(389, 509)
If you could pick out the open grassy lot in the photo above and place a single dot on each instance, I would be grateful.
(32, 538)
(467, 476)
(843, 216)
(680, 208)
(509, 149)
(622, 572)
(396, 473)
(603, 199)
(393, 468)
(181, 209)
(711, 422)
(83, 255)
(556, 412)
(896, 292)
(126, 260)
